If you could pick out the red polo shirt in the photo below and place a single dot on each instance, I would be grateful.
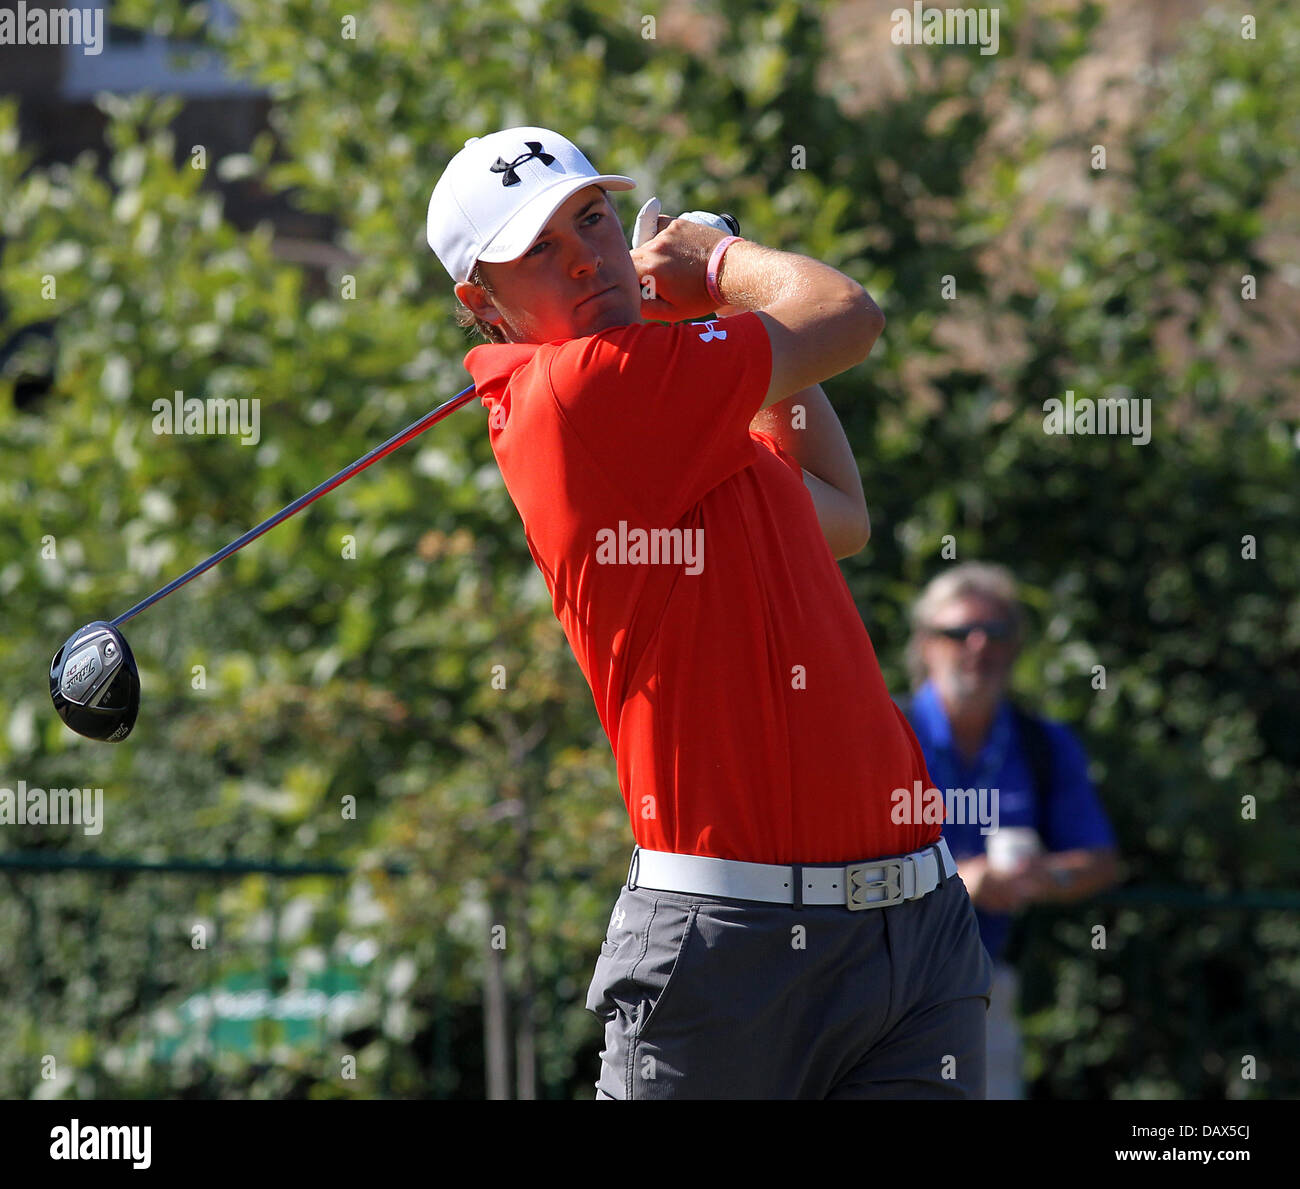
(729, 665)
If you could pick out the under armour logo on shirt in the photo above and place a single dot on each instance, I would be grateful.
(617, 919)
(508, 167)
(711, 334)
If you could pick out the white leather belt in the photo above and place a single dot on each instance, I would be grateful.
(876, 883)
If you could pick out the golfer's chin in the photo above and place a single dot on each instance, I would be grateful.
(605, 314)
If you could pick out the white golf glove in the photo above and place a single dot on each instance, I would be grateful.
(647, 222)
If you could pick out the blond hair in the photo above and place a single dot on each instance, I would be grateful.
(471, 321)
(984, 579)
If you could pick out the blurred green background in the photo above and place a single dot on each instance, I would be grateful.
(362, 810)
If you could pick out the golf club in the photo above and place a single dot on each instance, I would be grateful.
(94, 683)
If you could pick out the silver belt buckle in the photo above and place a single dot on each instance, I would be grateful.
(857, 885)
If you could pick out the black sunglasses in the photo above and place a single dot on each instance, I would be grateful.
(994, 629)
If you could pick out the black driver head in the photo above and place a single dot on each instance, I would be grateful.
(94, 683)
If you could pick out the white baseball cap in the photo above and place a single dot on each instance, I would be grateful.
(496, 195)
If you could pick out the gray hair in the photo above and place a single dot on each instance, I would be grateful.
(980, 578)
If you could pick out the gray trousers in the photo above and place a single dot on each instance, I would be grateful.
(703, 997)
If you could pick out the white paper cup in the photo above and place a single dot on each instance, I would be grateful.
(1008, 847)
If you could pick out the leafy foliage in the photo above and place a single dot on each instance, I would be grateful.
(331, 677)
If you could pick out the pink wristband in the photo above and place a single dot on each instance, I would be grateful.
(715, 263)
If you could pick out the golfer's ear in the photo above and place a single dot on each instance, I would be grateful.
(475, 299)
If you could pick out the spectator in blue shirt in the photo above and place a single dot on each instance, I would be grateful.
(1055, 842)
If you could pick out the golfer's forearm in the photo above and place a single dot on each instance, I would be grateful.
(754, 277)
(805, 427)
(819, 322)
(843, 520)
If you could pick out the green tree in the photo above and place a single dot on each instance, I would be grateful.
(394, 645)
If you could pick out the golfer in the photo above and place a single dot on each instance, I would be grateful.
(787, 929)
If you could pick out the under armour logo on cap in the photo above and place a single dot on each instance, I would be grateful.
(473, 217)
(508, 167)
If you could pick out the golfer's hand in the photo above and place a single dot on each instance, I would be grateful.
(672, 269)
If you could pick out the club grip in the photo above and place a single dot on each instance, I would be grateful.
(647, 222)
